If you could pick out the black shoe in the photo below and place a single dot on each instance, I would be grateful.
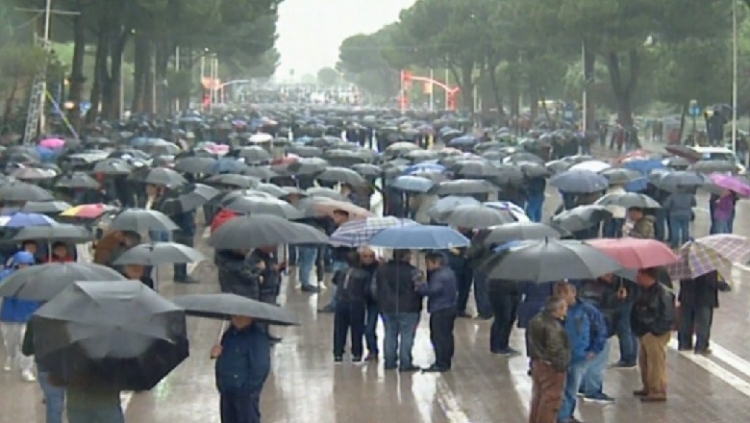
(356, 359)
(409, 369)
(435, 369)
(390, 367)
(186, 280)
(624, 365)
(274, 339)
(506, 352)
(483, 317)
(310, 288)
(338, 359)
(373, 356)
(463, 315)
(326, 309)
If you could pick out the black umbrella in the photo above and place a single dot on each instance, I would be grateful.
(239, 181)
(714, 166)
(323, 192)
(259, 205)
(533, 169)
(272, 189)
(159, 176)
(620, 175)
(305, 166)
(117, 335)
(260, 172)
(253, 154)
(367, 170)
(188, 198)
(551, 260)
(139, 220)
(517, 231)
(628, 200)
(263, 230)
(113, 166)
(306, 151)
(61, 232)
(159, 253)
(581, 217)
(476, 217)
(223, 306)
(342, 175)
(464, 187)
(44, 281)
(194, 164)
(77, 180)
(21, 191)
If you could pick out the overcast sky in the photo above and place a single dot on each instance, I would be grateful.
(310, 31)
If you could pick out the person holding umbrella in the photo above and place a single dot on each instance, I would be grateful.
(14, 315)
(243, 362)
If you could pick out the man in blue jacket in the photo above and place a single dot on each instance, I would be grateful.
(14, 315)
(587, 333)
(243, 362)
(441, 294)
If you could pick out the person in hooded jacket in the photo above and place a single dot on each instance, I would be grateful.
(14, 315)
(349, 317)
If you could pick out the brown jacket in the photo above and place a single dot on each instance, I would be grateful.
(643, 228)
(547, 341)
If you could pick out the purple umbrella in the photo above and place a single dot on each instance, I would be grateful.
(730, 183)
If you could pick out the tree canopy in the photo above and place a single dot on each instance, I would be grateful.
(626, 53)
(328, 77)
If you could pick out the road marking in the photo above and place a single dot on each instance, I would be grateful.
(449, 403)
(715, 369)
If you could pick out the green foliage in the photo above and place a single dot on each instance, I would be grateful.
(180, 84)
(362, 63)
(328, 77)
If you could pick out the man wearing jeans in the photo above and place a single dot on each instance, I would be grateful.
(400, 304)
(306, 256)
(587, 339)
(54, 396)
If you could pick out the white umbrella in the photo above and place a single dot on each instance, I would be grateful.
(591, 165)
(260, 138)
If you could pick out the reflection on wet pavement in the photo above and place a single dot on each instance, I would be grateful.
(305, 385)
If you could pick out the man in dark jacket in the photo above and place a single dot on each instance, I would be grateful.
(698, 298)
(549, 350)
(264, 259)
(505, 297)
(652, 319)
(441, 294)
(237, 275)
(185, 236)
(400, 304)
(243, 362)
(368, 261)
(352, 284)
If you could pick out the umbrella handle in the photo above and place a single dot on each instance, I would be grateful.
(221, 331)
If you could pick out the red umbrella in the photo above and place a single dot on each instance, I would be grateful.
(635, 253)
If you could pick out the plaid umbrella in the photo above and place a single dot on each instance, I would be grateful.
(713, 252)
(358, 232)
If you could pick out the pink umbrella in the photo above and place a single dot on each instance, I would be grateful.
(52, 143)
(635, 253)
(730, 183)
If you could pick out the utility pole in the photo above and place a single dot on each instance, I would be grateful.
(177, 68)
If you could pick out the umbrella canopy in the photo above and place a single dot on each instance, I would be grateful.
(239, 181)
(464, 187)
(731, 183)
(160, 176)
(419, 237)
(77, 180)
(58, 232)
(159, 253)
(517, 231)
(628, 200)
(223, 306)
(476, 217)
(187, 198)
(246, 232)
(581, 217)
(88, 211)
(634, 253)
(113, 166)
(45, 207)
(579, 181)
(141, 220)
(551, 260)
(259, 205)
(118, 335)
(673, 181)
(358, 232)
(44, 281)
(620, 175)
(21, 192)
(714, 252)
(342, 175)
(410, 183)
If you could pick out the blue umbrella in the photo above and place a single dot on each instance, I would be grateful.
(463, 141)
(419, 237)
(411, 183)
(227, 166)
(19, 220)
(579, 181)
(644, 167)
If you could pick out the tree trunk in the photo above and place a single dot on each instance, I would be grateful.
(514, 82)
(495, 87)
(111, 91)
(149, 94)
(589, 63)
(9, 101)
(139, 73)
(100, 71)
(467, 86)
(77, 80)
(533, 96)
(622, 88)
(161, 65)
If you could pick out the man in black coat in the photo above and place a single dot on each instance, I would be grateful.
(698, 298)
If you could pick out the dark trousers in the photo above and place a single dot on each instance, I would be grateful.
(481, 295)
(180, 270)
(441, 336)
(371, 327)
(505, 310)
(695, 320)
(241, 407)
(348, 318)
(465, 280)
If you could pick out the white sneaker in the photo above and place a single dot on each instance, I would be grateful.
(8, 365)
(28, 376)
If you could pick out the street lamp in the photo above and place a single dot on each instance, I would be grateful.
(734, 75)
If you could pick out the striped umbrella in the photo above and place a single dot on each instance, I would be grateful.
(358, 232)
